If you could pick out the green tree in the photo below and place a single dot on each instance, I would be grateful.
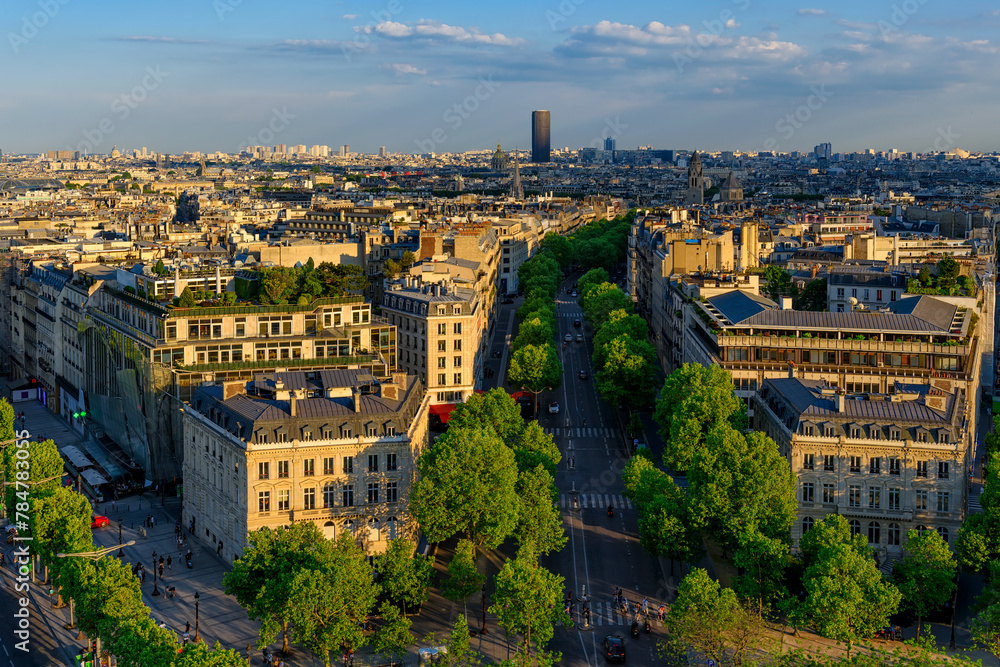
(199, 655)
(948, 270)
(393, 634)
(340, 279)
(665, 527)
(619, 323)
(61, 525)
(159, 269)
(924, 277)
(262, 580)
(926, 577)
(527, 602)
(533, 447)
(404, 576)
(560, 247)
(539, 524)
(463, 577)
(591, 279)
(408, 259)
(41, 478)
(813, 295)
(977, 542)
(536, 301)
(629, 373)
(391, 268)
(762, 562)
(601, 300)
(533, 331)
(467, 486)
(778, 282)
(186, 299)
(277, 282)
(460, 654)
(535, 368)
(694, 398)
(986, 624)
(710, 620)
(495, 409)
(328, 605)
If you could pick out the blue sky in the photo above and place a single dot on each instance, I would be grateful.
(415, 76)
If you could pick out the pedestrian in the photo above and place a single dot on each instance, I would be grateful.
(219, 550)
(661, 611)
(645, 607)
(169, 560)
(187, 627)
(142, 576)
(161, 571)
(152, 521)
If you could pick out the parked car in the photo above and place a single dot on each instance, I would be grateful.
(98, 521)
(553, 408)
(614, 648)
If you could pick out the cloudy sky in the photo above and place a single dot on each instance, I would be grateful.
(418, 76)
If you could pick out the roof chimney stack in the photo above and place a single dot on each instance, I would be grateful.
(841, 396)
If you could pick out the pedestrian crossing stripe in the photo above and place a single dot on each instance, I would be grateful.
(578, 316)
(589, 432)
(974, 504)
(595, 500)
(607, 614)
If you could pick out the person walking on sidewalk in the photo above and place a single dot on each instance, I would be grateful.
(169, 560)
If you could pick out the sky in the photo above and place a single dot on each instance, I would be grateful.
(434, 76)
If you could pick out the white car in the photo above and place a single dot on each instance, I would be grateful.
(553, 408)
(568, 338)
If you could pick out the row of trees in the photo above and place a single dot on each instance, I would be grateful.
(301, 284)
(534, 362)
(106, 596)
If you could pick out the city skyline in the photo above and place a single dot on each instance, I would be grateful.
(214, 76)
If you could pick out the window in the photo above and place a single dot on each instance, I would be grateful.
(458, 328)
(309, 498)
(855, 432)
(828, 431)
(283, 500)
(943, 532)
(373, 493)
(441, 362)
(391, 492)
(921, 468)
(390, 431)
(943, 469)
(282, 469)
(308, 467)
(328, 466)
(894, 434)
(373, 463)
(442, 329)
(875, 466)
(262, 438)
(345, 432)
(921, 436)
(894, 467)
(390, 462)
(855, 464)
(329, 496)
(807, 524)
(807, 492)
(457, 345)
(442, 380)
(281, 436)
(829, 493)
(894, 534)
(893, 497)
(348, 495)
(874, 498)
(307, 435)
(943, 437)
(921, 497)
(874, 532)
(348, 465)
(828, 462)
(943, 501)
(372, 431)
(262, 470)
(854, 496)
(457, 362)
(263, 501)
(808, 461)
(458, 378)
(442, 345)
(855, 527)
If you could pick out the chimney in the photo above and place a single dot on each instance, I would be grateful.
(791, 370)
(786, 303)
(292, 411)
(230, 389)
(840, 401)
(356, 396)
(814, 272)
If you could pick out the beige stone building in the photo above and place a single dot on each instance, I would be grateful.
(887, 463)
(337, 448)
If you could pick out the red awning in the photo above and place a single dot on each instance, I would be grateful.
(443, 411)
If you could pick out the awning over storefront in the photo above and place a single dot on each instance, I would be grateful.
(443, 411)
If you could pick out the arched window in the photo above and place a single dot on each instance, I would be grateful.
(874, 532)
(855, 527)
(374, 530)
(392, 528)
(921, 529)
(329, 530)
(893, 534)
(349, 527)
(807, 524)
(943, 532)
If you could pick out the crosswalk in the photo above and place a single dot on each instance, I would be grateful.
(574, 316)
(590, 432)
(606, 614)
(974, 506)
(595, 500)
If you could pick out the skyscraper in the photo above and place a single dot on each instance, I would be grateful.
(609, 144)
(540, 139)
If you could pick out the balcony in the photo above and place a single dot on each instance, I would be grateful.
(844, 344)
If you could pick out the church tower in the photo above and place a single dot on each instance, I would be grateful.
(516, 190)
(696, 182)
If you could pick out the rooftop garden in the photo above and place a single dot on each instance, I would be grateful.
(947, 282)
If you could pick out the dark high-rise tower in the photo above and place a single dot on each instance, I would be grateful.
(540, 140)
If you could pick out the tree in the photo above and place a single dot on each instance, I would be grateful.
(391, 268)
(926, 577)
(533, 331)
(495, 409)
(186, 299)
(709, 619)
(628, 374)
(924, 277)
(159, 269)
(43, 463)
(262, 580)
(277, 282)
(199, 655)
(463, 578)
(329, 604)
(539, 524)
(591, 279)
(948, 270)
(340, 279)
(560, 247)
(536, 368)
(393, 634)
(408, 259)
(986, 625)
(977, 542)
(601, 300)
(404, 577)
(813, 295)
(665, 527)
(536, 301)
(527, 602)
(693, 399)
(459, 652)
(533, 447)
(762, 562)
(618, 323)
(467, 487)
(777, 282)
(61, 524)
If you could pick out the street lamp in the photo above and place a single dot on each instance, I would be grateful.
(156, 590)
(92, 555)
(197, 633)
(536, 393)
(121, 554)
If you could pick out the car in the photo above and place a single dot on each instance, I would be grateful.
(98, 521)
(507, 301)
(583, 375)
(553, 408)
(614, 648)
(578, 323)
(579, 338)
(568, 338)
(575, 293)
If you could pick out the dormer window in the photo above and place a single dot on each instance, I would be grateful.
(944, 437)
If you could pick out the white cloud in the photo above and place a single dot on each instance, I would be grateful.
(350, 17)
(404, 69)
(436, 30)
(810, 11)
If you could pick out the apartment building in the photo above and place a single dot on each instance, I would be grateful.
(335, 447)
(887, 463)
(519, 241)
(871, 287)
